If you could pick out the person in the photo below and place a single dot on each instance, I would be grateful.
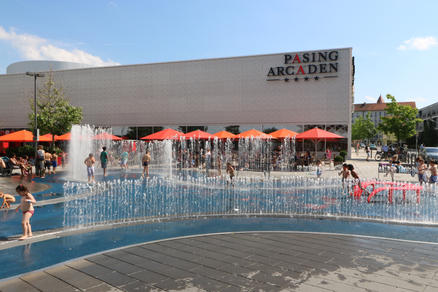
(345, 173)
(368, 151)
(318, 168)
(394, 167)
(146, 159)
(124, 160)
(47, 161)
(54, 162)
(26, 206)
(230, 171)
(433, 172)
(207, 160)
(89, 162)
(25, 166)
(328, 154)
(104, 159)
(356, 177)
(421, 169)
(385, 150)
(39, 165)
(7, 200)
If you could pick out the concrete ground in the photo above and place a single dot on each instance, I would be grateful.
(253, 261)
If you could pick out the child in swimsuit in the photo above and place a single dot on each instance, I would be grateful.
(27, 208)
(433, 172)
(345, 173)
(89, 162)
(7, 200)
(145, 160)
(230, 171)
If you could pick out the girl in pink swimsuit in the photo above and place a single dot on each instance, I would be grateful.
(26, 206)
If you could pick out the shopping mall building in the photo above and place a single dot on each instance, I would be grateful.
(295, 90)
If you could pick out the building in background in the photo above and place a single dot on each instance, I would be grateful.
(375, 110)
(428, 129)
(297, 91)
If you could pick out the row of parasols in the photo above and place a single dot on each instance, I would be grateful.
(171, 134)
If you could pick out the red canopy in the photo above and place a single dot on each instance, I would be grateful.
(19, 136)
(318, 134)
(254, 134)
(198, 134)
(65, 137)
(47, 138)
(106, 136)
(283, 133)
(224, 135)
(166, 134)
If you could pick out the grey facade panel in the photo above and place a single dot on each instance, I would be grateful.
(201, 92)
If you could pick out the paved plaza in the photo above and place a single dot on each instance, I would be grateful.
(253, 261)
(261, 261)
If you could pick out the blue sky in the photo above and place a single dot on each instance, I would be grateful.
(395, 43)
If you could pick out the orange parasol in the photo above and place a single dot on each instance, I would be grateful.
(254, 134)
(198, 134)
(19, 136)
(166, 134)
(106, 136)
(283, 133)
(224, 135)
(48, 138)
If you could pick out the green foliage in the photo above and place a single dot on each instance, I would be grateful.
(401, 120)
(269, 130)
(339, 159)
(55, 114)
(28, 150)
(343, 154)
(363, 128)
(234, 129)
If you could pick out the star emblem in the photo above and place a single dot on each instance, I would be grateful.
(286, 79)
(316, 77)
(306, 78)
(296, 79)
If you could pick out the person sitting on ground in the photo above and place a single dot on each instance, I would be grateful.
(7, 200)
(24, 166)
(433, 172)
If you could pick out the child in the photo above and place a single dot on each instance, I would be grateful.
(146, 159)
(124, 160)
(433, 172)
(89, 162)
(27, 208)
(230, 171)
(421, 168)
(318, 168)
(356, 178)
(7, 200)
(345, 173)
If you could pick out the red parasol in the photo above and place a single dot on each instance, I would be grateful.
(64, 137)
(317, 135)
(48, 138)
(224, 135)
(166, 134)
(106, 136)
(198, 134)
(254, 134)
(19, 136)
(283, 133)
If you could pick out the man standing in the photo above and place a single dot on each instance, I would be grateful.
(104, 160)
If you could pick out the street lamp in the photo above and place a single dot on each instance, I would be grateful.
(35, 75)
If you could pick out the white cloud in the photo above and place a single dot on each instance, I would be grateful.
(32, 47)
(370, 99)
(419, 44)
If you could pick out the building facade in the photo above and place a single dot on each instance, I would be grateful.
(297, 91)
(376, 111)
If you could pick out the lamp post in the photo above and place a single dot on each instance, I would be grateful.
(35, 75)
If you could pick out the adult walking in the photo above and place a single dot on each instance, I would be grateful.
(39, 162)
(104, 160)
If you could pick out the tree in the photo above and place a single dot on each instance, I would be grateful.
(55, 114)
(363, 128)
(401, 120)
